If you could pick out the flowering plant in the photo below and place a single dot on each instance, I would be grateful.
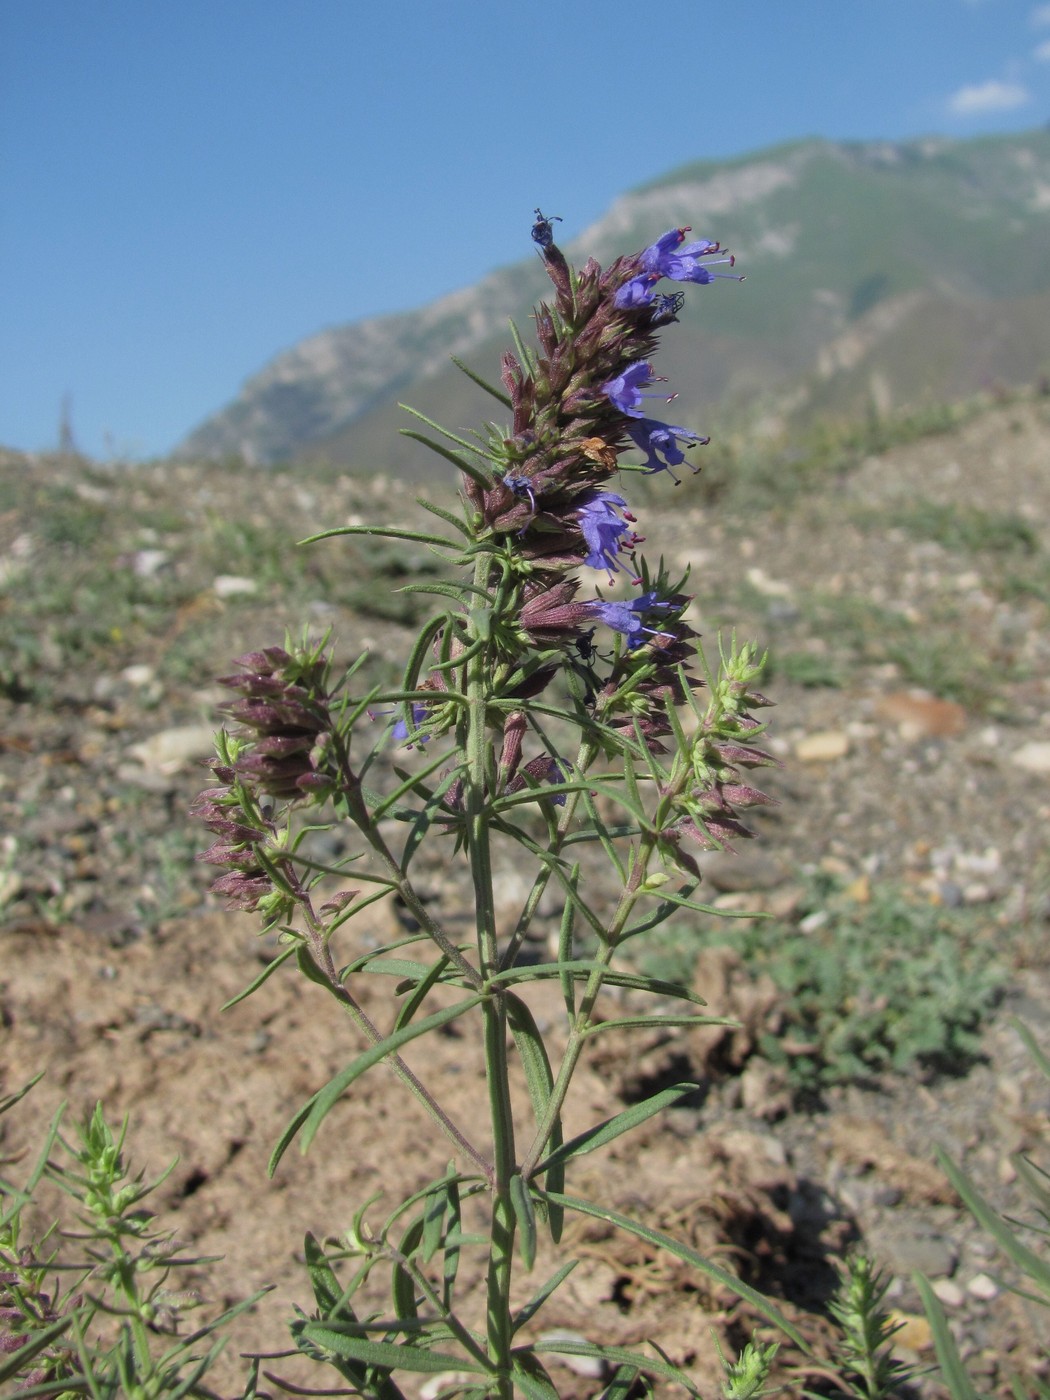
(521, 652)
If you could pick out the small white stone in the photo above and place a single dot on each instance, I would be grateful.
(949, 1292)
(1033, 757)
(171, 749)
(822, 746)
(139, 675)
(230, 585)
(983, 1287)
(147, 562)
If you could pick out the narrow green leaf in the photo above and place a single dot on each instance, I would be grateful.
(318, 1105)
(453, 1227)
(324, 1101)
(531, 1379)
(431, 978)
(955, 1375)
(532, 1307)
(433, 1222)
(565, 948)
(1030, 1264)
(559, 1346)
(445, 515)
(482, 383)
(1032, 1046)
(525, 1214)
(386, 531)
(684, 902)
(622, 1384)
(689, 1256)
(386, 1355)
(619, 1123)
(455, 591)
(438, 760)
(461, 464)
(328, 1292)
(420, 647)
(656, 1022)
(540, 1080)
(402, 1284)
(581, 969)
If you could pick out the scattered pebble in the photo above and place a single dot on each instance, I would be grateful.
(1033, 757)
(233, 585)
(822, 747)
(920, 716)
(172, 749)
(983, 1287)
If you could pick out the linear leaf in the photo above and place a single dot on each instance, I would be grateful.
(689, 1256)
(324, 1101)
(580, 969)
(1030, 1264)
(564, 1346)
(482, 383)
(651, 1022)
(532, 1307)
(619, 1123)
(540, 1080)
(960, 1387)
(387, 1355)
(525, 1214)
(532, 1380)
(387, 531)
(468, 468)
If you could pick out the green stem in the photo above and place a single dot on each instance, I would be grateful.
(494, 1011)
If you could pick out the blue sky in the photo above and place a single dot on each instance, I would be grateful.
(190, 186)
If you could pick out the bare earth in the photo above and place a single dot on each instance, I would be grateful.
(114, 962)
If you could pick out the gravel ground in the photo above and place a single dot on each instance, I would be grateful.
(904, 601)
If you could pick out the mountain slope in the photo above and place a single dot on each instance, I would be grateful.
(877, 272)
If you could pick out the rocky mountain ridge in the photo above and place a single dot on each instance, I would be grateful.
(881, 275)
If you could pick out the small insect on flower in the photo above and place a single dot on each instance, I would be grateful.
(522, 487)
(542, 233)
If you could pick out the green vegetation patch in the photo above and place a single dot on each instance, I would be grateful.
(890, 985)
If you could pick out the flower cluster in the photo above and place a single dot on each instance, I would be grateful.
(280, 753)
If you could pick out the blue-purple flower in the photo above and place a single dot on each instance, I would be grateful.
(605, 531)
(667, 258)
(660, 442)
(400, 732)
(625, 391)
(628, 617)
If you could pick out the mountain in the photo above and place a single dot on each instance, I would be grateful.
(879, 275)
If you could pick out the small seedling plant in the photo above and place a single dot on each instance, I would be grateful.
(553, 705)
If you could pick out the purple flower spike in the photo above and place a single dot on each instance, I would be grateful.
(660, 441)
(627, 617)
(605, 531)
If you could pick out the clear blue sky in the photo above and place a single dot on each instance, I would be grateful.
(190, 186)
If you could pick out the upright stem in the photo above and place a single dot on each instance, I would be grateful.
(494, 1012)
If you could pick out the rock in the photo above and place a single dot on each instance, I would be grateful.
(148, 562)
(983, 1288)
(733, 873)
(823, 746)
(949, 1292)
(918, 1251)
(913, 1332)
(171, 749)
(921, 716)
(232, 585)
(1033, 757)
